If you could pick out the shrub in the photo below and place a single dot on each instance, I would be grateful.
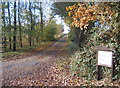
(50, 31)
(72, 47)
(83, 62)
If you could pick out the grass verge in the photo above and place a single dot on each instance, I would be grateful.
(25, 51)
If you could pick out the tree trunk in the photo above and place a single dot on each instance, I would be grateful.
(79, 35)
(34, 25)
(31, 26)
(10, 45)
(41, 20)
(15, 28)
(20, 30)
(3, 28)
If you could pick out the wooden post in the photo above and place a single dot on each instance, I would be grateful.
(98, 72)
(112, 71)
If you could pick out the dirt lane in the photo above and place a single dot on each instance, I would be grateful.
(27, 67)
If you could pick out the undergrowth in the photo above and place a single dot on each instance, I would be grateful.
(83, 62)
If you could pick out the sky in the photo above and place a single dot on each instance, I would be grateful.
(59, 20)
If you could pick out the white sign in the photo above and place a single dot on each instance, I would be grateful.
(105, 58)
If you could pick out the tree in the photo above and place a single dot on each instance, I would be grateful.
(41, 20)
(50, 31)
(20, 29)
(10, 45)
(15, 28)
(31, 24)
(83, 14)
(3, 27)
(59, 8)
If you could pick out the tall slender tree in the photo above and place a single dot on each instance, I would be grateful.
(15, 28)
(9, 18)
(41, 20)
(34, 21)
(3, 27)
(31, 23)
(19, 21)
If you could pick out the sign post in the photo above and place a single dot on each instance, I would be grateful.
(104, 58)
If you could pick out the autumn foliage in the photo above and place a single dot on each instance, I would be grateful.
(83, 13)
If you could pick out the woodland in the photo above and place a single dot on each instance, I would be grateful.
(29, 27)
